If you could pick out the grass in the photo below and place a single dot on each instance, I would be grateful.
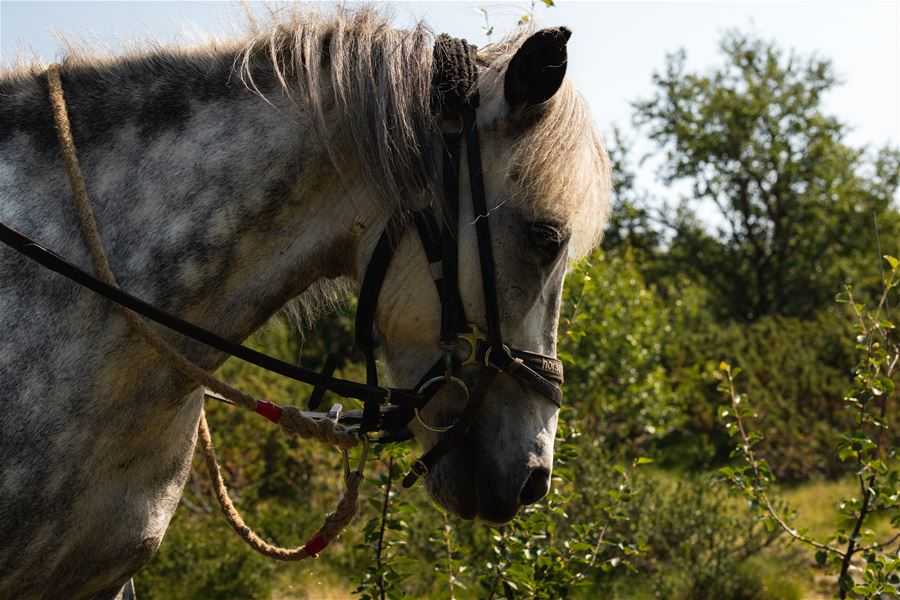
(816, 504)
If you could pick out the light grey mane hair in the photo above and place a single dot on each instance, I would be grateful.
(352, 68)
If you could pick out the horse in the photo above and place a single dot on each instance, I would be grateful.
(229, 181)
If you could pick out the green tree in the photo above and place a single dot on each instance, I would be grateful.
(781, 211)
(631, 223)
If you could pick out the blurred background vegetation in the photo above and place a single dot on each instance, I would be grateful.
(775, 215)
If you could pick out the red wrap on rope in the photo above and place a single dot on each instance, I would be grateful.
(270, 411)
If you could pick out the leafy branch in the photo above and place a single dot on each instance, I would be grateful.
(867, 448)
(756, 485)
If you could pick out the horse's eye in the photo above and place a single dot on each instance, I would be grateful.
(547, 238)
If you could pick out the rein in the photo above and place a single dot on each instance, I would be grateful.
(385, 409)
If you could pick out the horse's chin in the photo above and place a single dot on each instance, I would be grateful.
(469, 489)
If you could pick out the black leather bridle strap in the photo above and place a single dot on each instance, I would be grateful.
(453, 315)
(368, 300)
(429, 234)
(482, 228)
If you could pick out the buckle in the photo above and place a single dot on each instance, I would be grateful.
(470, 338)
(419, 469)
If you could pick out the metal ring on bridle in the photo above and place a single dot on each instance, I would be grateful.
(449, 379)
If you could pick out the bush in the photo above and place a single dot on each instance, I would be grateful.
(615, 337)
(698, 541)
(798, 370)
(628, 395)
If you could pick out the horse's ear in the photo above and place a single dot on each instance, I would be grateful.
(537, 70)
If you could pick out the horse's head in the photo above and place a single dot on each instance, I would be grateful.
(546, 182)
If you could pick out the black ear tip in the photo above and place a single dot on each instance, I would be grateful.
(554, 35)
(536, 70)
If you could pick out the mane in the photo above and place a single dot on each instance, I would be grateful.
(353, 68)
(378, 79)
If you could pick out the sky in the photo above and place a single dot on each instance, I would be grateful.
(614, 50)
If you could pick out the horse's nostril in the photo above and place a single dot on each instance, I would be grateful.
(536, 487)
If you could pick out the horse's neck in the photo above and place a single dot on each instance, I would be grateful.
(212, 203)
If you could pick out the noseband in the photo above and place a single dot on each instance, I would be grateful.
(455, 98)
(462, 344)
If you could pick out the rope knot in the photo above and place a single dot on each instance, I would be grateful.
(325, 430)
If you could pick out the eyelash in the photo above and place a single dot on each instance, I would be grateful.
(547, 238)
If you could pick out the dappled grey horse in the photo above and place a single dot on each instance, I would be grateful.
(228, 181)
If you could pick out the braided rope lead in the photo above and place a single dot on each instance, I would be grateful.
(330, 529)
(288, 417)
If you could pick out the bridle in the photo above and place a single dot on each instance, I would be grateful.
(455, 98)
(385, 409)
